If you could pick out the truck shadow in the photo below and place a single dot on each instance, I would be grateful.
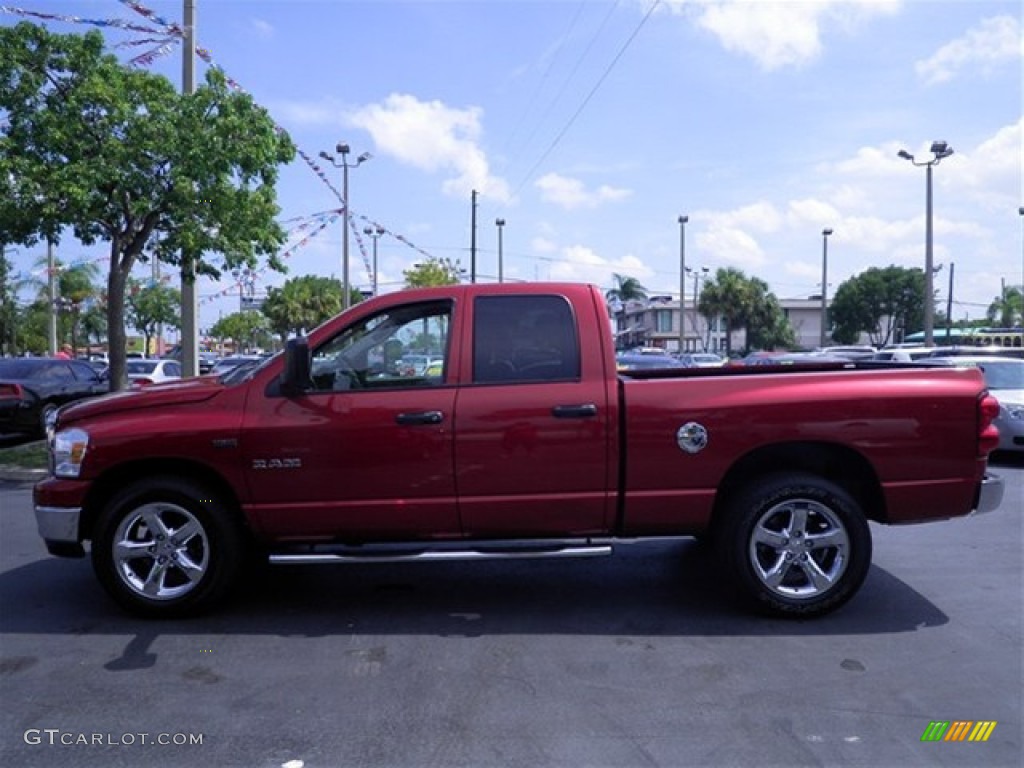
(649, 588)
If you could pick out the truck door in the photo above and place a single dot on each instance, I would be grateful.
(367, 451)
(533, 440)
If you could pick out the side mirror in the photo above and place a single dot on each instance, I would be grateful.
(297, 367)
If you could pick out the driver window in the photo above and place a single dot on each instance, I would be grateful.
(400, 348)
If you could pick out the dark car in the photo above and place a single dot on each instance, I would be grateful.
(31, 387)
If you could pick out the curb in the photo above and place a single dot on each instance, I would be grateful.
(13, 474)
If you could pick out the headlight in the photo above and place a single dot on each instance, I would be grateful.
(68, 452)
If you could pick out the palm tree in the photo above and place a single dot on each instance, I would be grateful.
(75, 288)
(626, 289)
(1007, 311)
(726, 295)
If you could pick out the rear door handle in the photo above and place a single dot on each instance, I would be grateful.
(581, 411)
(422, 417)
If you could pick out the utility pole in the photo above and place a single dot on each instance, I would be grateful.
(472, 240)
(949, 303)
(51, 284)
(682, 283)
(500, 224)
(189, 308)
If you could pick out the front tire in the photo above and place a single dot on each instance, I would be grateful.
(166, 548)
(796, 545)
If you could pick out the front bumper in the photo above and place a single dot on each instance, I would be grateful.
(990, 494)
(58, 506)
(58, 526)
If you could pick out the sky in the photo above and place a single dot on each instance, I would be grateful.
(591, 127)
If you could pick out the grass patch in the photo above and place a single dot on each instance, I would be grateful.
(27, 456)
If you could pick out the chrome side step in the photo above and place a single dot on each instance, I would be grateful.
(419, 552)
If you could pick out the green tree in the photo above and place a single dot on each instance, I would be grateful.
(725, 295)
(93, 321)
(745, 302)
(301, 304)
(880, 302)
(149, 305)
(8, 306)
(1007, 310)
(432, 271)
(119, 155)
(766, 323)
(246, 329)
(75, 290)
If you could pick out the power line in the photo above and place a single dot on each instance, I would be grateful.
(600, 81)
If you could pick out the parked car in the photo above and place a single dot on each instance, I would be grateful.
(850, 352)
(903, 354)
(1004, 378)
(229, 363)
(647, 361)
(33, 387)
(702, 360)
(142, 373)
(204, 362)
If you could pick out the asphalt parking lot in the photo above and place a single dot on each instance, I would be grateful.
(640, 659)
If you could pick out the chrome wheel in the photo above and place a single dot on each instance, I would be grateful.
(799, 549)
(161, 551)
(795, 544)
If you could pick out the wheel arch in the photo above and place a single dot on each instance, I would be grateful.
(115, 479)
(837, 463)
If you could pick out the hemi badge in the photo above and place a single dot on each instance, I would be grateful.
(225, 442)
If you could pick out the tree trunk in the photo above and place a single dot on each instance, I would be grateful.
(116, 282)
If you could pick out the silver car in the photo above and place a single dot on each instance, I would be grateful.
(1004, 378)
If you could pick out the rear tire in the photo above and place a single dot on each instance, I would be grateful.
(166, 548)
(796, 545)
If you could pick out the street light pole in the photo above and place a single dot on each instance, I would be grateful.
(343, 149)
(375, 233)
(697, 274)
(682, 283)
(939, 150)
(500, 224)
(824, 283)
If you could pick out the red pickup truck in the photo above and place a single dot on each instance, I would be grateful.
(515, 437)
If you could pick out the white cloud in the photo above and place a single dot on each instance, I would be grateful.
(580, 263)
(779, 34)
(993, 173)
(262, 28)
(992, 42)
(571, 193)
(434, 137)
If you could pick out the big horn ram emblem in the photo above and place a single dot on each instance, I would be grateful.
(692, 437)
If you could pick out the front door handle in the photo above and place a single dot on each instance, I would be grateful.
(581, 411)
(422, 417)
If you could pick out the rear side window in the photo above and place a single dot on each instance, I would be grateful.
(524, 339)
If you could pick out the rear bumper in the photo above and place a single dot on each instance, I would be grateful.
(990, 494)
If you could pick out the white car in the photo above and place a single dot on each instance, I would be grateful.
(1004, 378)
(142, 373)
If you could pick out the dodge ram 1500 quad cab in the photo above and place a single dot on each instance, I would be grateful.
(519, 438)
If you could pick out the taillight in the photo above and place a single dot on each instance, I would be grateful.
(988, 433)
(147, 382)
(11, 391)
